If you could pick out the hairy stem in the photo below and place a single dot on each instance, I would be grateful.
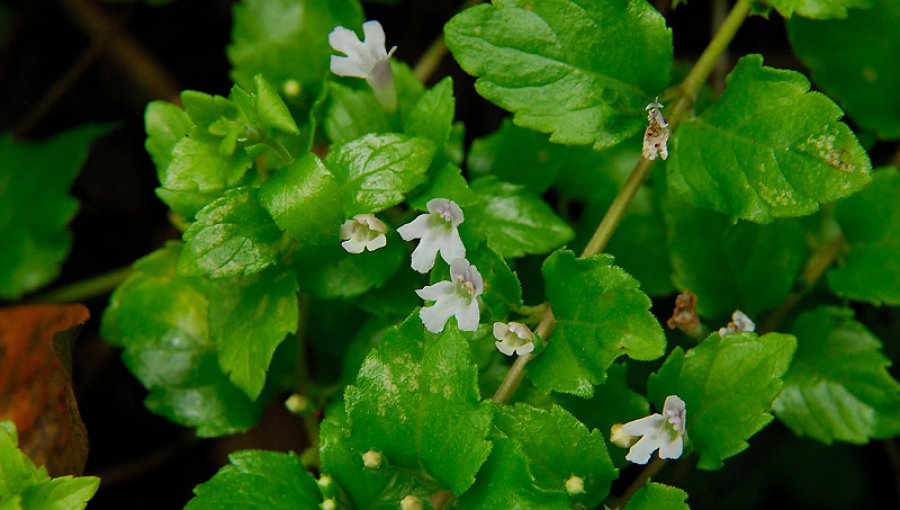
(683, 106)
(85, 289)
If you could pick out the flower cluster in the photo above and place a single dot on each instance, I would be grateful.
(663, 432)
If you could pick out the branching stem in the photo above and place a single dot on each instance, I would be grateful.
(687, 93)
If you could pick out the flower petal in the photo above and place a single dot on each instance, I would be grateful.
(379, 242)
(671, 449)
(374, 42)
(525, 348)
(354, 246)
(345, 41)
(467, 318)
(500, 329)
(435, 317)
(641, 451)
(414, 229)
(452, 247)
(643, 426)
(423, 256)
(440, 290)
(344, 66)
(505, 348)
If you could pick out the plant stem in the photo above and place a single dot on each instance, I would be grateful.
(85, 289)
(650, 471)
(437, 50)
(688, 93)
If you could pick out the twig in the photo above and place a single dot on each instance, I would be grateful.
(437, 50)
(85, 289)
(719, 10)
(650, 471)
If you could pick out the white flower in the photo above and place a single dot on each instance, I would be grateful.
(664, 432)
(739, 324)
(365, 59)
(438, 233)
(457, 297)
(513, 338)
(363, 232)
(657, 134)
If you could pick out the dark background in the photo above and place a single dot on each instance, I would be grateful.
(56, 72)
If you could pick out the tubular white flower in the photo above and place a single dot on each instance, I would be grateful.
(438, 233)
(739, 324)
(363, 232)
(663, 432)
(366, 59)
(455, 298)
(513, 338)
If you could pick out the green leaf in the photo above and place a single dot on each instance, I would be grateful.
(767, 149)
(559, 447)
(870, 222)
(506, 481)
(248, 319)
(656, 496)
(232, 236)
(351, 114)
(270, 108)
(818, 9)
(416, 401)
(166, 124)
(502, 290)
(728, 386)
(331, 272)
(287, 40)
(854, 62)
(445, 182)
(838, 386)
(304, 199)
(732, 267)
(581, 71)
(26, 486)
(514, 221)
(601, 314)
(432, 116)
(35, 178)
(517, 155)
(377, 171)
(160, 319)
(256, 479)
(381, 488)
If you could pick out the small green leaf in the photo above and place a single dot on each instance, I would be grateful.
(248, 319)
(258, 479)
(581, 71)
(432, 116)
(166, 124)
(517, 155)
(515, 222)
(416, 401)
(446, 182)
(656, 496)
(506, 481)
(232, 236)
(870, 222)
(351, 114)
(731, 267)
(767, 149)
(818, 9)
(330, 272)
(206, 109)
(502, 290)
(559, 447)
(26, 486)
(728, 386)
(35, 178)
(853, 61)
(286, 40)
(377, 171)
(304, 199)
(270, 108)
(838, 386)
(601, 314)
(160, 319)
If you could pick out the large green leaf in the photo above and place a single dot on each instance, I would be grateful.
(35, 178)
(731, 267)
(728, 386)
(248, 319)
(854, 61)
(376, 171)
(256, 479)
(160, 319)
(871, 222)
(559, 447)
(432, 116)
(577, 69)
(656, 496)
(287, 40)
(601, 314)
(514, 221)
(838, 386)
(768, 148)
(818, 9)
(416, 401)
(28, 487)
(232, 236)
